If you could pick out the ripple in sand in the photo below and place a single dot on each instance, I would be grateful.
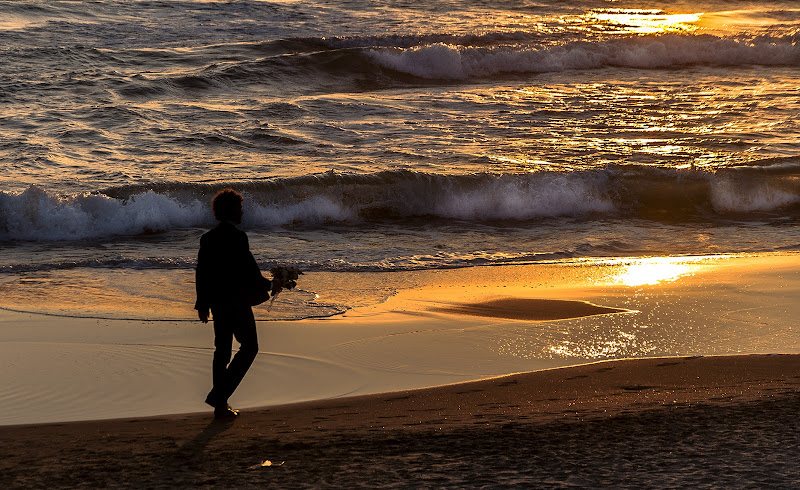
(48, 382)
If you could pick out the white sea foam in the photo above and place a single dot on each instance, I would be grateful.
(550, 196)
(433, 61)
(327, 198)
(316, 209)
(441, 61)
(730, 195)
(36, 214)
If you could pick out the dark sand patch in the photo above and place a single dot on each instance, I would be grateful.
(528, 309)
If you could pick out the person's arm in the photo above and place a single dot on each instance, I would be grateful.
(275, 285)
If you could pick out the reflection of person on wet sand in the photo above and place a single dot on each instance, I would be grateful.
(227, 277)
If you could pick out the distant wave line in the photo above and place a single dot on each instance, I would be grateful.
(349, 62)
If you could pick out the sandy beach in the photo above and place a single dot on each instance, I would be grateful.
(407, 330)
(663, 422)
(655, 372)
(542, 244)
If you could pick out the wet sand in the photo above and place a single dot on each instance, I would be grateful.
(528, 309)
(371, 418)
(661, 422)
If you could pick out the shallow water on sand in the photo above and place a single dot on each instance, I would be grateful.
(59, 368)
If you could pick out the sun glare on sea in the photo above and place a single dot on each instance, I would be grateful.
(643, 21)
(656, 270)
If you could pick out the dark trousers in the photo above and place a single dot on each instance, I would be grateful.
(231, 321)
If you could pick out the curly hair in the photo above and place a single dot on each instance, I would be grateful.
(227, 205)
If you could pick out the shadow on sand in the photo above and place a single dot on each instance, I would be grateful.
(191, 459)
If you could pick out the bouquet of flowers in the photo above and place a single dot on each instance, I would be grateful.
(287, 275)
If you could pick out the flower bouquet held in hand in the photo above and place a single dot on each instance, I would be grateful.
(286, 277)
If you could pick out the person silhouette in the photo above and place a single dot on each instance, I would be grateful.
(227, 277)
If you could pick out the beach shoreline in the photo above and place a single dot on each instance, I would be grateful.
(416, 390)
(543, 245)
(697, 420)
(433, 328)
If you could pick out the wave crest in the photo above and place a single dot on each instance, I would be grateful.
(447, 61)
(376, 62)
(36, 214)
(393, 196)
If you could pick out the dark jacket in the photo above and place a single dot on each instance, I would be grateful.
(227, 273)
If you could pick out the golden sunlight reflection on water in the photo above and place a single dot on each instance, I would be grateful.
(680, 305)
(656, 270)
(645, 21)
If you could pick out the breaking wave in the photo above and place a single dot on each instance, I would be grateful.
(353, 64)
(617, 192)
(448, 61)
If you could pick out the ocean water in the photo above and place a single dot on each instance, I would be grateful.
(388, 136)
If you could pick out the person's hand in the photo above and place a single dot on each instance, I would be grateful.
(203, 314)
(277, 286)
